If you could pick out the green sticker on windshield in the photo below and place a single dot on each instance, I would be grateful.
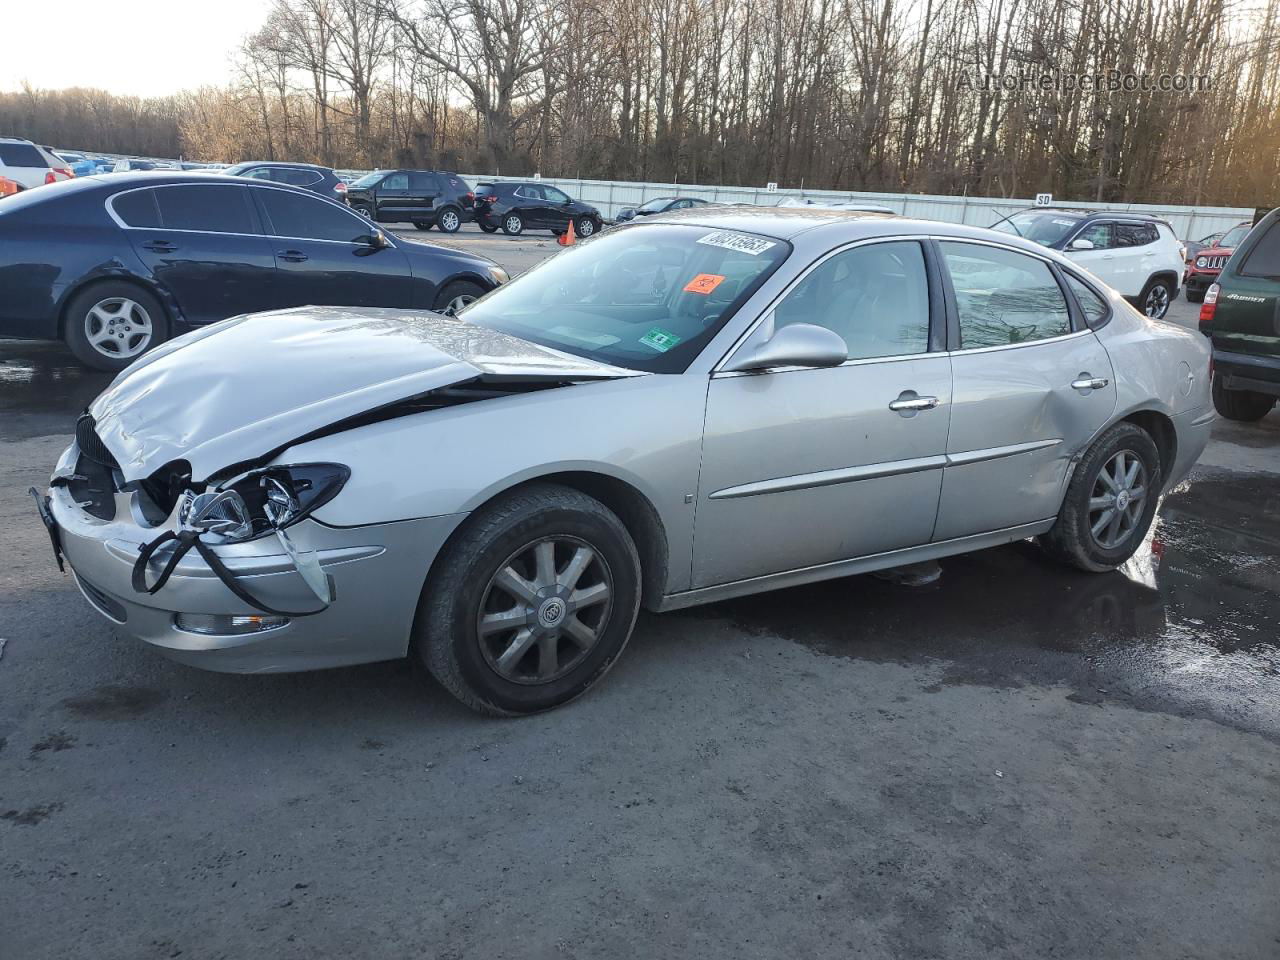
(661, 340)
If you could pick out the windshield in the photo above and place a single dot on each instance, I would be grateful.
(369, 179)
(1045, 229)
(647, 298)
(1234, 236)
(655, 206)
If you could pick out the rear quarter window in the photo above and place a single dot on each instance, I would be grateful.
(137, 208)
(1264, 259)
(21, 155)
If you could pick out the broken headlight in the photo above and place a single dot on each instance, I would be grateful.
(278, 497)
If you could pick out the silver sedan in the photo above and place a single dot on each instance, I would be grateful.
(673, 413)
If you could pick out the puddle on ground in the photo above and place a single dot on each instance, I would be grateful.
(1191, 625)
(43, 388)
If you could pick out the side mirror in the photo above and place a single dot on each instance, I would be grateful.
(1080, 243)
(797, 345)
(376, 240)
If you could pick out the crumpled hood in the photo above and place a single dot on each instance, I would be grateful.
(243, 388)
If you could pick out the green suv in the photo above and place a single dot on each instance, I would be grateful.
(1241, 314)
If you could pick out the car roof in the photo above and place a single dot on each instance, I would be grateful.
(1095, 214)
(281, 163)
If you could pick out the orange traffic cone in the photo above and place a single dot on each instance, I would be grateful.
(567, 239)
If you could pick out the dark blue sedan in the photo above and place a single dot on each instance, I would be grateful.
(115, 265)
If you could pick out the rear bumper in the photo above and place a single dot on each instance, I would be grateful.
(1246, 371)
(378, 572)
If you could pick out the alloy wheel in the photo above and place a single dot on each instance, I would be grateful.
(544, 610)
(454, 306)
(118, 327)
(1116, 503)
(514, 224)
(1157, 302)
(449, 221)
(586, 228)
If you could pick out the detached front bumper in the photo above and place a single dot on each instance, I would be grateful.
(378, 572)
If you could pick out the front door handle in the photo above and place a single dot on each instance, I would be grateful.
(1086, 382)
(909, 403)
(293, 256)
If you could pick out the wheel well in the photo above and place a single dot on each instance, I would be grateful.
(1164, 275)
(98, 281)
(1162, 432)
(635, 511)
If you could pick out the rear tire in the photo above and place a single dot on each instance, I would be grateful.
(488, 228)
(562, 569)
(1246, 406)
(512, 224)
(422, 224)
(1155, 298)
(1076, 538)
(109, 325)
(449, 220)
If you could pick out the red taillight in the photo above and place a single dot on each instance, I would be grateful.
(52, 175)
(470, 196)
(1209, 306)
(340, 187)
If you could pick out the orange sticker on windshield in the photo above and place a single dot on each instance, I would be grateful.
(703, 283)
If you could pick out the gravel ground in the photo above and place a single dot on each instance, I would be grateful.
(1018, 761)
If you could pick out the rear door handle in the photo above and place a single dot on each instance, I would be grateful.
(160, 246)
(293, 256)
(1086, 382)
(909, 403)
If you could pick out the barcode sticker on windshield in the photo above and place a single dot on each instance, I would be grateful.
(1065, 223)
(737, 241)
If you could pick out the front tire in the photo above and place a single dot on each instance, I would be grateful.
(512, 224)
(1246, 406)
(585, 227)
(109, 325)
(422, 224)
(1110, 501)
(456, 295)
(1155, 298)
(530, 603)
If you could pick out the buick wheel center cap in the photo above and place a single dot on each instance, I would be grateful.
(552, 612)
(1122, 499)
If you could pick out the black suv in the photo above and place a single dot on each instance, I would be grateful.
(425, 198)
(517, 206)
(309, 176)
(1241, 315)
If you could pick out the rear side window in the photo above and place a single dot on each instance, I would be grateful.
(21, 155)
(1004, 297)
(457, 184)
(1135, 234)
(485, 190)
(1094, 307)
(308, 217)
(1264, 258)
(423, 183)
(295, 176)
(137, 208)
(211, 209)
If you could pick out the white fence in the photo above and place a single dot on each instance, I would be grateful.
(1189, 223)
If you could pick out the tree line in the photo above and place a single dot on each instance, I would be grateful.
(1117, 100)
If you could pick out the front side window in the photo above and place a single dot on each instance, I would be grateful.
(648, 298)
(21, 155)
(654, 206)
(876, 297)
(368, 180)
(1235, 236)
(1099, 234)
(1004, 297)
(306, 217)
(257, 173)
(397, 181)
(210, 208)
(554, 195)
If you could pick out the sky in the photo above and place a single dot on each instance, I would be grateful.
(140, 47)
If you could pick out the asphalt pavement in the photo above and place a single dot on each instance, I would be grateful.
(1017, 761)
